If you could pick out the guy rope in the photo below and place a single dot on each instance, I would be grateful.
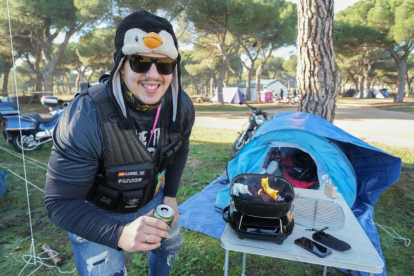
(31, 258)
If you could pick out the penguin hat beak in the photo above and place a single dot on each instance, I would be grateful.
(137, 41)
(152, 40)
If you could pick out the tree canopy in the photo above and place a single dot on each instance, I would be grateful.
(223, 43)
(388, 24)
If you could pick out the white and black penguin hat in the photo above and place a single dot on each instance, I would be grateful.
(142, 32)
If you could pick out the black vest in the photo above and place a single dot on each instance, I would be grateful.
(127, 179)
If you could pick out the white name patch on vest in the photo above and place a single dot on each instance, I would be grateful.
(128, 177)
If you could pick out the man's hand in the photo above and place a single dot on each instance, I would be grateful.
(143, 234)
(172, 202)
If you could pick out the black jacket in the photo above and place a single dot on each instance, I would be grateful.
(77, 152)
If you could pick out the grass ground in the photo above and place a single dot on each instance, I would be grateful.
(384, 104)
(401, 107)
(201, 255)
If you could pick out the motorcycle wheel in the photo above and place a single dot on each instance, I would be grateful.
(237, 146)
(29, 143)
(292, 102)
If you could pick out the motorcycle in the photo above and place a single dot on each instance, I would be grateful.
(276, 98)
(287, 99)
(35, 130)
(8, 107)
(298, 97)
(256, 119)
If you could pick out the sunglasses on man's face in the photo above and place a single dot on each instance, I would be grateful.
(142, 64)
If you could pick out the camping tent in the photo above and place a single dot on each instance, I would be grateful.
(384, 92)
(349, 93)
(367, 171)
(374, 169)
(376, 94)
(379, 94)
(272, 85)
(230, 95)
(358, 95)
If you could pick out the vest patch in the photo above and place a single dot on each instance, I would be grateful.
(128, 177)
(132, 203)
(105, 200)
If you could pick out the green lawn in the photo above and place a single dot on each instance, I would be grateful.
(211, 107)
(385, 104)
(400, 107)
(201, 255)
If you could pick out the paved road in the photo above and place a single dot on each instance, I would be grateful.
(358, 119)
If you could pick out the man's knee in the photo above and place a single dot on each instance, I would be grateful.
(101, 264)
(174, 243)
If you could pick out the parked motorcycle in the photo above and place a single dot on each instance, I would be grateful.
(256, 119)
(35, 130)
(298, 97)
(8, 107)
(276, 98)
(288, 99)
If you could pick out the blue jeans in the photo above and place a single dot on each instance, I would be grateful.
(95, 259)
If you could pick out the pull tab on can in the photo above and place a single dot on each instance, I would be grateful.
(164, 213)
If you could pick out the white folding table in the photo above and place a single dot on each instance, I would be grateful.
(361, 257)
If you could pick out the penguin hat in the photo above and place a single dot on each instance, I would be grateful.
(142, 32)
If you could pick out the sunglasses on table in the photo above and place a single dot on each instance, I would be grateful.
(142, 64)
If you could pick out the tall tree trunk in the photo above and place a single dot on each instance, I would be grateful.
(39, 80)
(37, 69)
(48, 79)
(361, 86)
(67, 82)
(7, 67)
(221, 81)
(79, 78)
(227, 78)
(249, 68)
(402, 66)
(248, 82)
(52, 62)
(36, 66)
(258, 75)
(355, 81)
(316, 58)
(212, 87)
(401, 62)
(410, 88)
(367, 82)
(90, 76)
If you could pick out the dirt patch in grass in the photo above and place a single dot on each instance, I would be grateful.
(193, 162)
(12, 219)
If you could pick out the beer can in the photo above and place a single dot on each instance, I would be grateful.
(164, 213)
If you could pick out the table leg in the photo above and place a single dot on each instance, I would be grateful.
(226, 262)
(325, 269)
(244, 264)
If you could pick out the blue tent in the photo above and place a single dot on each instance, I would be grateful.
(3, 183)
(375, 170)
(384, 92)
(360, 171)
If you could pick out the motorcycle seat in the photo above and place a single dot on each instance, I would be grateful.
(39, 118)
